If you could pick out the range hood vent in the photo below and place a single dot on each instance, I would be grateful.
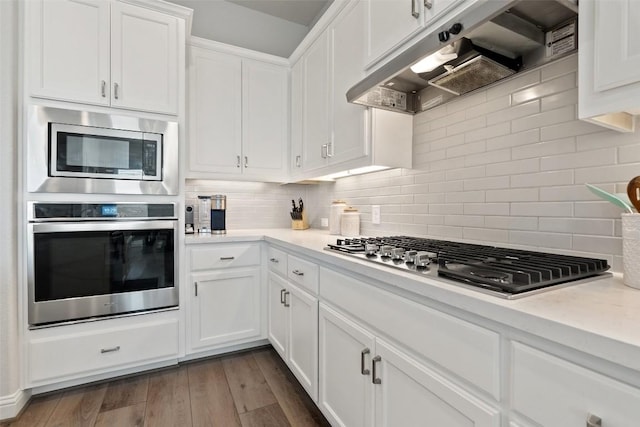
(485, 43)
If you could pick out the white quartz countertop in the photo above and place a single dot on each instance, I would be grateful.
(600, 317)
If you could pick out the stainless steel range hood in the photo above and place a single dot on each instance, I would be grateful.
(491, 39)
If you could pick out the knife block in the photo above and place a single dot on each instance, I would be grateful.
(300, 224)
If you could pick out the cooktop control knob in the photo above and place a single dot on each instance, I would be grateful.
(385, 250)
(397, 253)
(422, 259)
(370, 249)
(410, 257)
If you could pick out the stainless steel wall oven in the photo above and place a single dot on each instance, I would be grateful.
(89, 260)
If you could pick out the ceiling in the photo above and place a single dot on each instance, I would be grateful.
(303, 12)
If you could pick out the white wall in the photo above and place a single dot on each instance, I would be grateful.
(506, 166)
(239, 26)
(9, 372)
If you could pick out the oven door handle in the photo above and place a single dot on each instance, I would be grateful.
(113, 225)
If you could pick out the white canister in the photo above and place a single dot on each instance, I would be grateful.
(335, 212)
(631, 249)
(350, 222)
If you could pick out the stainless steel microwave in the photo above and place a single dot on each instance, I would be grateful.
(83, 152)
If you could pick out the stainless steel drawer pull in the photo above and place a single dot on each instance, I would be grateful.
(298, 162)
(237, 161)
(115, 90)
(594, 421)
(286, 304)
(103, 89)
(282, 291)
(110, 350)
(227, 258)
(414, 13)
(364, 371)
(298, 273)
(196, 287)
(246, 161)
(374, 379)
(428, 4)
(274, 260)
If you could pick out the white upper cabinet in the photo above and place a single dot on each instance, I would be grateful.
(238, 117)
(609, 63)
(144, 59)
(297, 104)
(390, 23)
(104, 53)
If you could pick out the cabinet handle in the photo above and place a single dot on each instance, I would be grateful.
(428, 4)
(330, 149)
(110, 350)
(323, 151)
(274, 260)
(298, 163)
(594, 421)
(227, 258)
(282, 291)
(237, 161)
(363, 371)
(103, 88)
(286, 304)
(413, 10)
(115, 90)
(196, 287)
(375, 380)
(246, 162)
(298, 273)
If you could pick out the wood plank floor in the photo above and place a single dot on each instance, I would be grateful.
(249, 389)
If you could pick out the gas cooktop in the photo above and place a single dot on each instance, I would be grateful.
(507, 273)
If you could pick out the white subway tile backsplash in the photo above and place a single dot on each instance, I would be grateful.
(546, 88)
(582, 159)
(541, 240)
(546, 118)
(547, 148)
(504, 166)
(542, 179)
(542, 209)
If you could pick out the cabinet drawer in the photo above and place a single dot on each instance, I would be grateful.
(469, 351)
(303, 273)
(58, 357)
(223, 256)
(277, 261)
(554, 392)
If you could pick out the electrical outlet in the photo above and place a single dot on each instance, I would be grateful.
(375, 214)
(324, 222)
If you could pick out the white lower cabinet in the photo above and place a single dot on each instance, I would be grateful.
(293, 330)
(552, 391)
(225, 295)
(71, 352)
(363, 376)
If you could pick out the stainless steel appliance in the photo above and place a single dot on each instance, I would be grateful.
(96, 259)
(218, 214)
(81, 152)
(484, 43)
(503, 272)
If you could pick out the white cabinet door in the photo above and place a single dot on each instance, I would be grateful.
(225, 307)
(215, 113)
(349, 139)
(315, 123)
(408, 394)
(303, 338)
(345, 387)
(144, 59)
(390, 23)
(68, 50)
(278, 314)
(297, 106)
(264, 119)
(617, 43)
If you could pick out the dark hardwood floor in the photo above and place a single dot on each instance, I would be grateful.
(248, 389)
